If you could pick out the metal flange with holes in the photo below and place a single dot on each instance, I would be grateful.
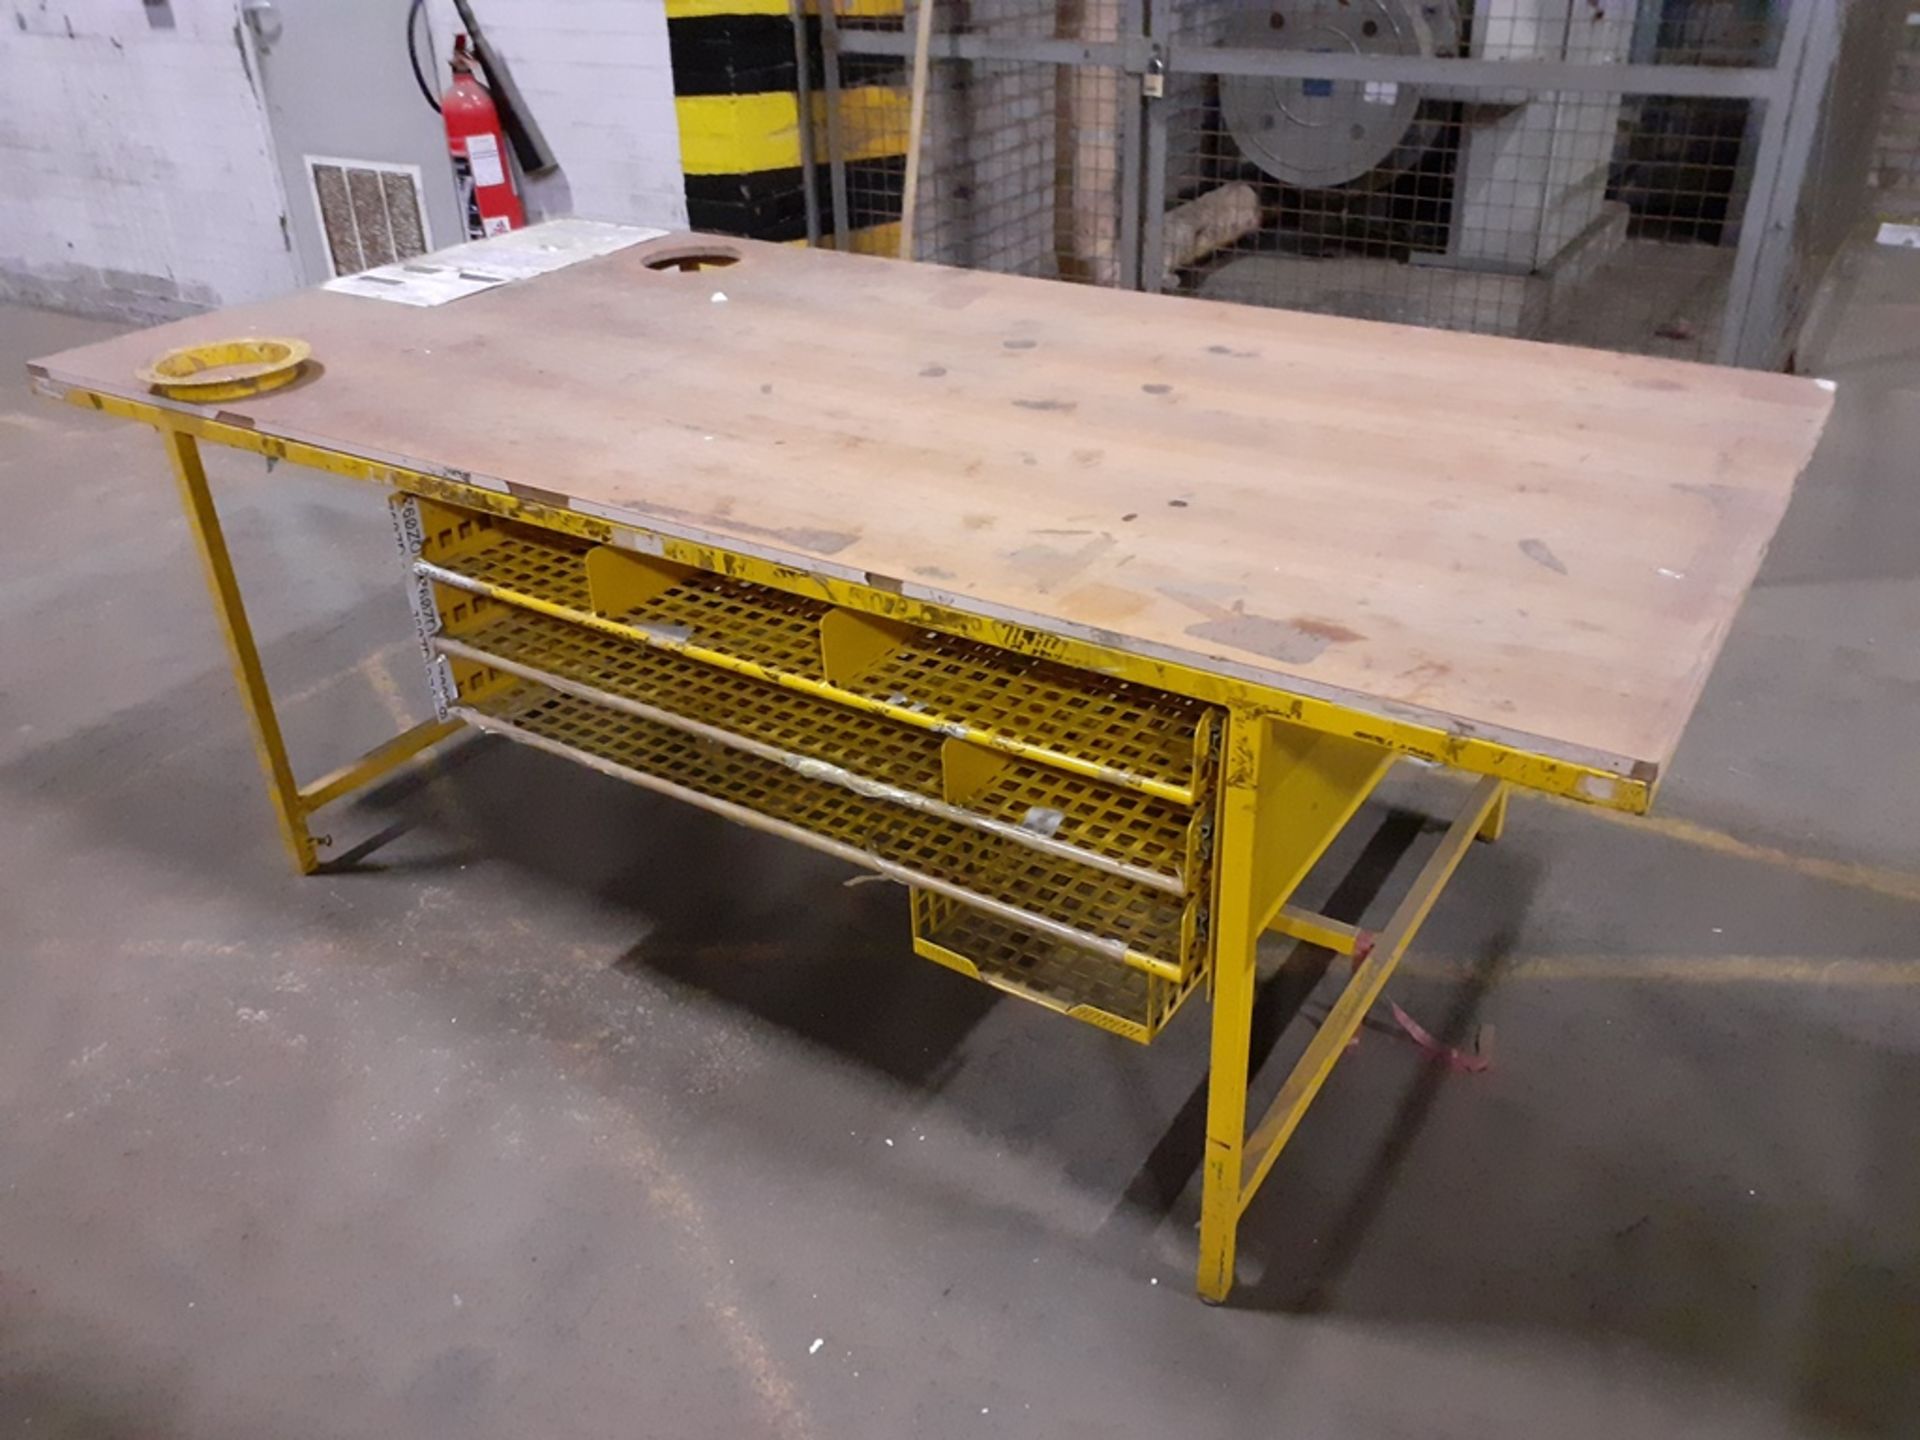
(1316, 134)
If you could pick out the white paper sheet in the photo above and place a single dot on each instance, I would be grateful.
(462, 270)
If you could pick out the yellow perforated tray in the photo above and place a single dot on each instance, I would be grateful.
(1125, 925)
(1108, 824)
(1049, 713)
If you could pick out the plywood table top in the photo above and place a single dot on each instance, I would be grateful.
(1535, 545)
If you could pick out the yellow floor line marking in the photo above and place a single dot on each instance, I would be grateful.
(327, 682)
(32, 424)
(383, 685)
(723, 1303)
(380, 676)
(1833, 971)
(1896, 884)
(665, 1189)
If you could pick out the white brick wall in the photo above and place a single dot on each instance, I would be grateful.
(599, 79)
(136, 180)
(1895, 181)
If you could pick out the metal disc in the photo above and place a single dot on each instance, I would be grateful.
(1320, 133)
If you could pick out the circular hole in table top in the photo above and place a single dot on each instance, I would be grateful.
(691, 259)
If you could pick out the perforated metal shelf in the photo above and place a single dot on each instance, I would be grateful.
(736, 618)
(1123, 924)
(1129, 826)
(1119, 726)
(1106, 825)
(1048, 971)
(552, 567)
(1048, 713)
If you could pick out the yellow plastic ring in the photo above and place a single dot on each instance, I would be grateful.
(226, 369)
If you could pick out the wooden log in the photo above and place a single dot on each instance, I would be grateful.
(1207, 222)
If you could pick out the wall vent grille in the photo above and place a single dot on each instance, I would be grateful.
(370, 212)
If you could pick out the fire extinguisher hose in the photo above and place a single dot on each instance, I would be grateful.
(530, 147)
(413, 54)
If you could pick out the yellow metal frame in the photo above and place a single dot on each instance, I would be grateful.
(1294, 771)
(1285, 795)
(1526, 769)
(293, 803)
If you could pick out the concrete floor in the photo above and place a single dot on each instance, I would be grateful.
(569, 1111)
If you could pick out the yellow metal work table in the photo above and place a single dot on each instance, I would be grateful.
(1090, 617)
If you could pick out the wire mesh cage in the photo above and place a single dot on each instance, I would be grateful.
(1592, 216)
(1660, 176)
(1022, 166)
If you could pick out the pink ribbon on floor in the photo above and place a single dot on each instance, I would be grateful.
(1450, 1056)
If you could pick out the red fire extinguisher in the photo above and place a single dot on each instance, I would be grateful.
(479, 151)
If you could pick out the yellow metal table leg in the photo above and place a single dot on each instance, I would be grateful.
(202, 519)
(292, 802)
(1377, 958)
(1496, 820)
(1285, 793)
(1236, 933)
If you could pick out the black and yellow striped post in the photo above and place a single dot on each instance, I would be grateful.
(737, 95)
